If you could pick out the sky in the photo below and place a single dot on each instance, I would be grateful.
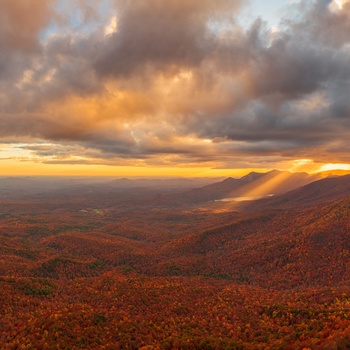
(173, 88)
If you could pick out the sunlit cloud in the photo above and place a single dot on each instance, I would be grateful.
(175, 84)
(338, 3)
(112, 27)
(15, 152)
(327, 167)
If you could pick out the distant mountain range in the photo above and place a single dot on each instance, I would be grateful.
(250, 186)
(274, 189)
(318, 192)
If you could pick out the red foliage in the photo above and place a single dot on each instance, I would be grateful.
(165, 278)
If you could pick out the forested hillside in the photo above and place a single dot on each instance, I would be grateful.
(101, 272)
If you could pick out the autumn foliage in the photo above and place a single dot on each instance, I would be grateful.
(196, 277)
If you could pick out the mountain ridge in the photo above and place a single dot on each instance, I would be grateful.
(253, 184)
(318, 192)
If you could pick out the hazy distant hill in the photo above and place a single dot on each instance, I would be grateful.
(250, 186)
(322, 191)
(162, 183)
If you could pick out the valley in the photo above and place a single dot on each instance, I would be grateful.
(131, 264)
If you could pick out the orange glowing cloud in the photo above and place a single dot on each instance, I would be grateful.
(173, 84)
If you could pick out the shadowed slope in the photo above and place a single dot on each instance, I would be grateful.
(281, 249)
(250, 186)
(318, 192)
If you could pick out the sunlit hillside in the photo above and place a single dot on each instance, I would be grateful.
(104, 264)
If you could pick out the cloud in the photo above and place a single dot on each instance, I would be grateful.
(160, 35)
(21, 23)
(174, 82)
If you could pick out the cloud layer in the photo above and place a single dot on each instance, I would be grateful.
(178, 82)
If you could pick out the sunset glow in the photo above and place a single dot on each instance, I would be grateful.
(173, 88)
(327, 167)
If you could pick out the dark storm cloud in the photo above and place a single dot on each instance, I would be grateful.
(301, 60)
(285, 76)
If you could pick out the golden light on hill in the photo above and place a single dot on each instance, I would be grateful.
(330, 167)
